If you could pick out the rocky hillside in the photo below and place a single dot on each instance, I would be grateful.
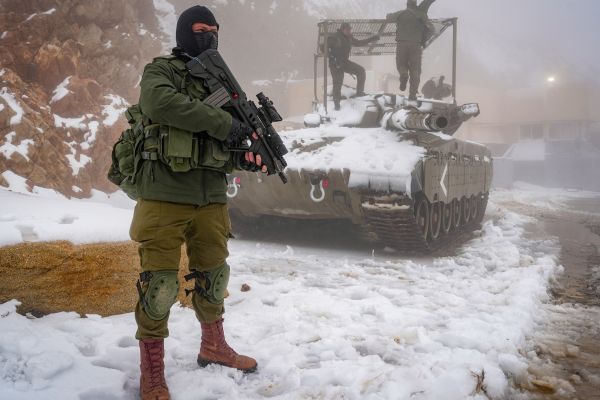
(68, 69)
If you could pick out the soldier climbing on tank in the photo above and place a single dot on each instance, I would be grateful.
(339, 47)
(437, 89)
(413, 29)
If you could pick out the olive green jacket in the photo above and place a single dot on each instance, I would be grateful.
(412, 25)
(340, 47)
(162, 102)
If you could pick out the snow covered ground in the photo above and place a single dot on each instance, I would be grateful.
(45, 215)
(323, 324)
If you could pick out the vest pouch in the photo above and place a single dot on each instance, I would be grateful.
(124, 153)
(175, 147)
(212, 154)
(151, 142)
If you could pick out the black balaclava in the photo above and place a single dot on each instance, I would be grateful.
(196, 43)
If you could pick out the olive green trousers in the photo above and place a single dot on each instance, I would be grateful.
(161, 228)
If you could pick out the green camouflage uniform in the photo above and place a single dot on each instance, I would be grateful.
(412, 29)
(340, 47)
(189, 206)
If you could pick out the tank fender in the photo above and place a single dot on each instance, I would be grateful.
(416, 184)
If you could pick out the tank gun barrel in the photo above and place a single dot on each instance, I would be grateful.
(414, 120)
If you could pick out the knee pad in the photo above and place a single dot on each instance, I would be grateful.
(211, 284)
(161, 294)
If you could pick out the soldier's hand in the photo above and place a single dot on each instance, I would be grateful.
(238, 133)
(254, 158)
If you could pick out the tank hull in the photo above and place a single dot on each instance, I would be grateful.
(443, 197)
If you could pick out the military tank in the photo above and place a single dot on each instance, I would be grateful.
(387, 165)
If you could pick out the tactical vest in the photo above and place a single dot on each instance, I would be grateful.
(181, 150)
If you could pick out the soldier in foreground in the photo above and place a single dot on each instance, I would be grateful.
(179, 203)
(412, 31)
(340, 44)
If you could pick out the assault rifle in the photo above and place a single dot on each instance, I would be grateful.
(226, 91)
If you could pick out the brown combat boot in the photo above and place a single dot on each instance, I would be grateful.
(215, 350)
(152, 381)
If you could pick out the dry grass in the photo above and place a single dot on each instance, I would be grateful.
(59, 276)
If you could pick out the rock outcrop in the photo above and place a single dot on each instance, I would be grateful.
(68, 69)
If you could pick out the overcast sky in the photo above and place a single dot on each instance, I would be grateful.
(523, 37)
(507, 43)
(548, 34)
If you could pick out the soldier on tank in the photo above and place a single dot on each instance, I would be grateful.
(339, 48)
(413, 29)
(436, 88)
(178, 205)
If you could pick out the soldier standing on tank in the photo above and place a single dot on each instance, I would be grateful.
(413, 29)
(436, 88)
(339, 47)
(178, 206)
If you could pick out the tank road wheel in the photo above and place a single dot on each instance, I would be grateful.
(475, 200)
(422, 216)
(483, 200)
(466, 209)
(447, 211)
(435, 220)
(456, 214)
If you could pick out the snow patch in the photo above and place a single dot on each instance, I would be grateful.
(8, 148)
(114, 110)
(90, 137)
(15, 182)
(262, 83)
(53, 217)
(141, 30)
(75, 163)
(374, 156)
(12, 102)
(61, 90)
(167, 20)
(81, 124)
(76, 123)
(3, 34)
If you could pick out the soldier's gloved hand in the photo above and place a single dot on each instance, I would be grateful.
(238, 134)
(257, 158)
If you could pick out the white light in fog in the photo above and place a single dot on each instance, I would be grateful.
(551, 79)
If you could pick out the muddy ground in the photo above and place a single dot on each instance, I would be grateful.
(565, 357)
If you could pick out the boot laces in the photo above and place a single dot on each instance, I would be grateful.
(223, 342)
(218, 335)
(155, 361)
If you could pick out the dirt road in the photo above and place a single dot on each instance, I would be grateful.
(565, 354)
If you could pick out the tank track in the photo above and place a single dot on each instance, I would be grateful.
(392, 220)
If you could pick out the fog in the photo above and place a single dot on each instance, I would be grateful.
(533, 66)
(514, 41)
